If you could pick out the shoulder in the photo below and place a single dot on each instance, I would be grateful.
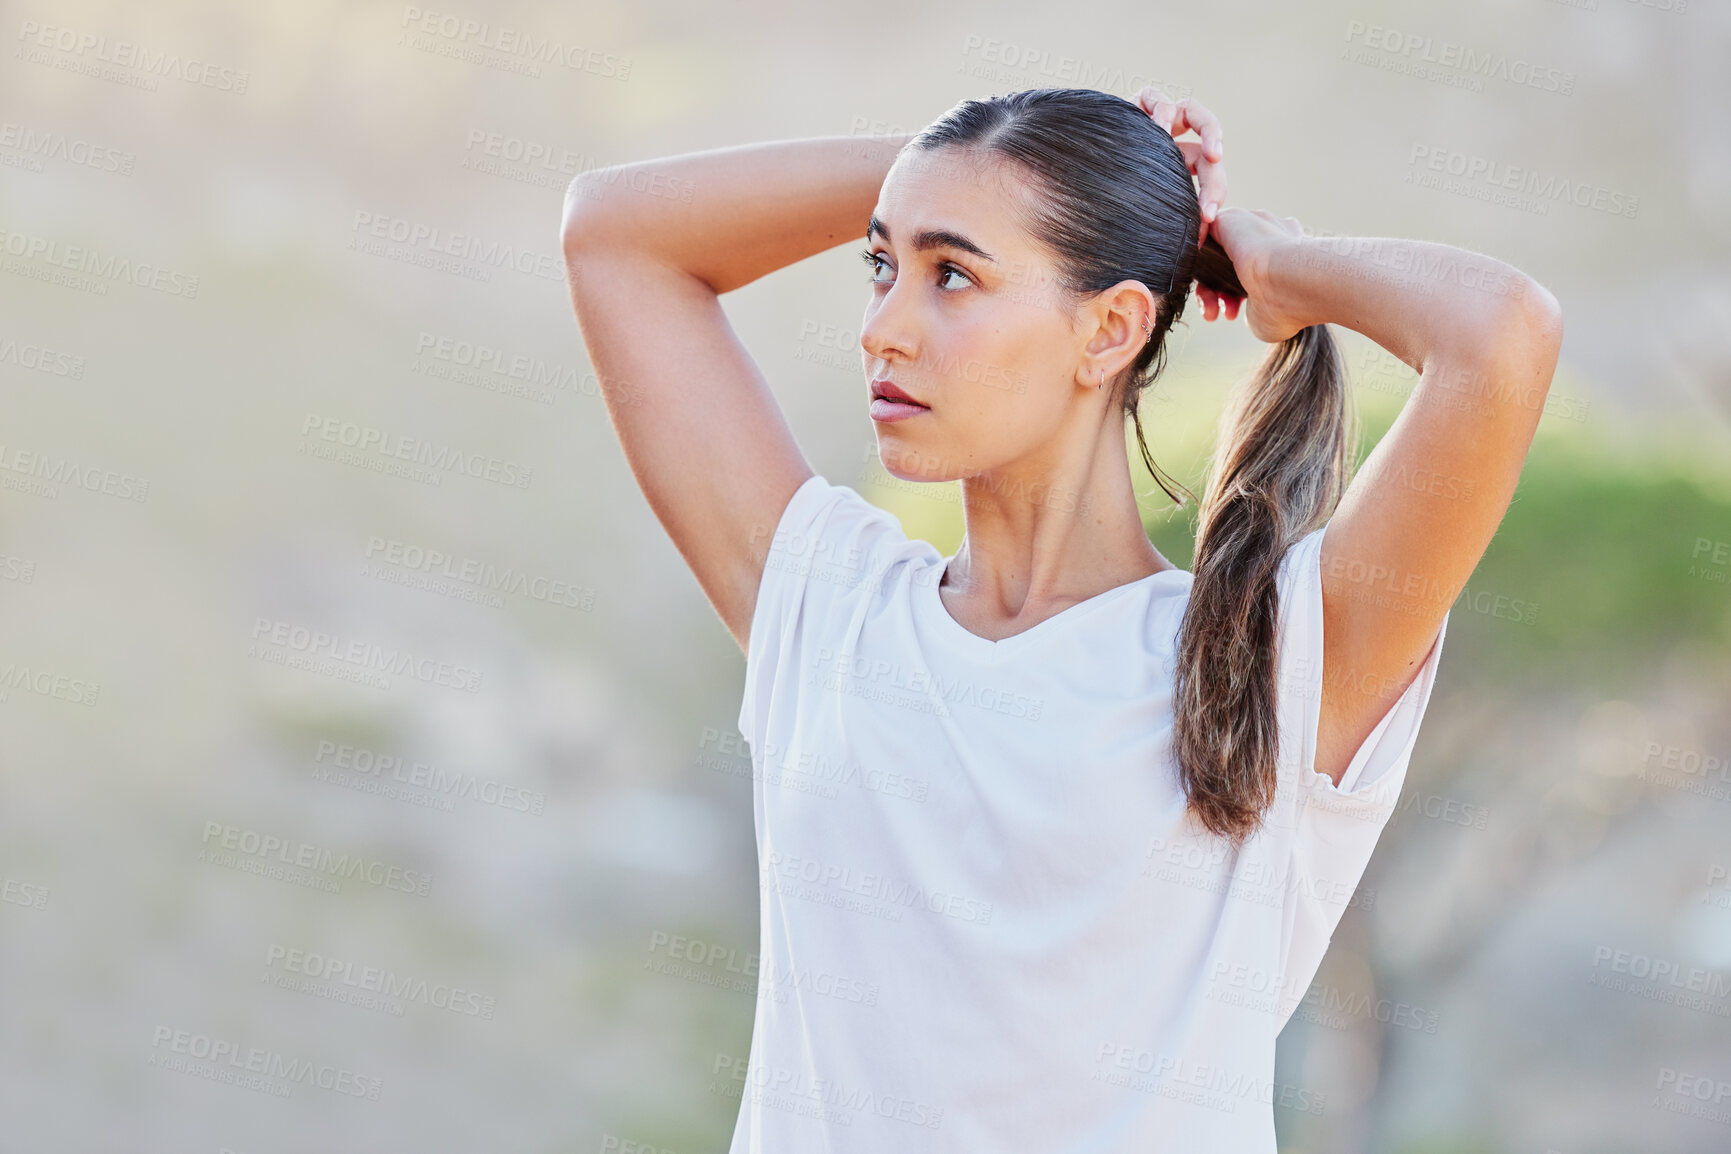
(828, 562)
(832, 534)
(831, 550)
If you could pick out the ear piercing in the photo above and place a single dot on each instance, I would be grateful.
(1148, 336)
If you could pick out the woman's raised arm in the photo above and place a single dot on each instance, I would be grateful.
(648, 249)
(1414, 522)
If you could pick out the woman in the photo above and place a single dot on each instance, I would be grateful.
(1053, 834)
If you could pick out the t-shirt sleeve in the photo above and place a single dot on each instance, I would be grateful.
(828, 547)
(1334, 829)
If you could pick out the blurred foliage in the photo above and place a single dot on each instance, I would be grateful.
(1606, 551)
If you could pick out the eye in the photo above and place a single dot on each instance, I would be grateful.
(874, 262)
(951, 270)
(877, 264)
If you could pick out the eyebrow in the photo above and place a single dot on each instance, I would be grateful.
(932, 238)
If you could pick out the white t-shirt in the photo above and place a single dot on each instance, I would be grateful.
(987, 923)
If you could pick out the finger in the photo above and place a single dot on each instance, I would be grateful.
(1212, 178)
(1210, 193)
(1165, 114)
(1233, 304)
(1206, 296)
(1211, 190)
(1195, 117)
(1148, 96)
(1160, 107)
(1210, 174)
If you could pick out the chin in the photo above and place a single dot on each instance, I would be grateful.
(905, 461)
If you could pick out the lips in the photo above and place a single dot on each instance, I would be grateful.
(888, 391)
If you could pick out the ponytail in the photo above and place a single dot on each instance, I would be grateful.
(1282, 460)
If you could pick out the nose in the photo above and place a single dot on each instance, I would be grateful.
(890, 328)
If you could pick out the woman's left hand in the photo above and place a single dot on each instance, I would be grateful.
(1254, 239)
(1207, 162)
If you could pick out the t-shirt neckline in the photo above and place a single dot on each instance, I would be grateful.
(959, 636)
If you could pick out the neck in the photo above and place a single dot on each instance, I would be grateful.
(1047, 533)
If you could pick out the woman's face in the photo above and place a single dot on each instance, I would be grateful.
(966, 316)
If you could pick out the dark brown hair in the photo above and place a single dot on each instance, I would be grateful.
(1113, 201)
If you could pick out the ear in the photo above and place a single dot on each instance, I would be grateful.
(1122, 318)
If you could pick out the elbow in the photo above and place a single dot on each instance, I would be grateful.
(1527, 333)
(1539, 321)
(588, 216)
(577, 222)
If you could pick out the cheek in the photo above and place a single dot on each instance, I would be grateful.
(1011, 409)
(990, 363)
(996, 372)
(1024, 373)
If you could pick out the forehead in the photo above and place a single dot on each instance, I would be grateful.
(961, 190)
